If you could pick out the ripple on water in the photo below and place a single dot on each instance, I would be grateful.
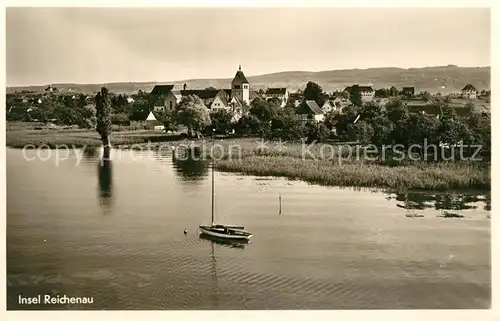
(330, 249)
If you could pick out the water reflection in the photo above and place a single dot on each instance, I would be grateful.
(90, 152)
(440, 201)
(215, 280)
(105, 176)
(238, 244)
(190, 167)
(235, 244)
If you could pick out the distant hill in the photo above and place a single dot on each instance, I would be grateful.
(443, 79)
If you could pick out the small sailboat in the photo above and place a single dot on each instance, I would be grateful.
(233, 232)
(231, 243)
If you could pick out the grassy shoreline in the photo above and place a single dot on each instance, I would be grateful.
(78, 138)
(290, 162)
(432, 177)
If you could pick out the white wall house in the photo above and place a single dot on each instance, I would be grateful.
(220, 103)
(233, 105)
(166, 102)
(469, 92)
(367, 92)
(279, 93)
(310, 111)
(163, 98)
(146, 120)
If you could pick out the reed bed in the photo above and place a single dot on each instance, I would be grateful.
(237, 148)
(430, 177)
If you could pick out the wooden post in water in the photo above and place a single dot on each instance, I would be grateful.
(280, 204)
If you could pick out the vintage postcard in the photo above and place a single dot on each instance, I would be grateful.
(248, 158)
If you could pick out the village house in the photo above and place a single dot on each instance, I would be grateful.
(469, 92)
(162, 98)
(310, 111)
(279, 93)
(213, 99)
(408, 92)
(161, 90)
(206, 95)
(145, 119)
(367, 92)
(220, 102)
(336, 104)
(177, 94)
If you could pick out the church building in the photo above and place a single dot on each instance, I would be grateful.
(231, 99)
(240, 87)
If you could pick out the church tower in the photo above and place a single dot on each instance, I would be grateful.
(240, 87)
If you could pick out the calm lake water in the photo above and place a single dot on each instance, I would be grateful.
(114, 232)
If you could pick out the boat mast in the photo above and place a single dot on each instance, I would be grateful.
(213, 186)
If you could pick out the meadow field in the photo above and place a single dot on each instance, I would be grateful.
(19, 135)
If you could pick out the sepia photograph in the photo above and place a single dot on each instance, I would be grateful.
(248, 158)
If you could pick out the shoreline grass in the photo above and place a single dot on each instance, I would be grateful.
(81, 138)
(438, 177)
(290, 162)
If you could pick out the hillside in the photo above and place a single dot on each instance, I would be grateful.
(444, 79)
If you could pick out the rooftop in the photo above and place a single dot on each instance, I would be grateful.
(161, 89)
(276, 91)
(361, 88)
(469, 87)
(313, 106)
(240, 78)
(201, 93)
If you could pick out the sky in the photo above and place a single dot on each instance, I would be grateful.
(99, 45)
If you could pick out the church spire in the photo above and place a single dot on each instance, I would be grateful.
(240, 67)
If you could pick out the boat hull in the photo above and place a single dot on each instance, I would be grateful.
(225, 233)
(232, 243)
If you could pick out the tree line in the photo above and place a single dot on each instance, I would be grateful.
(71, 109)
(366, 123)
